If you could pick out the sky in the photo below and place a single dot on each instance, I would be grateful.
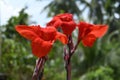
(9, 8)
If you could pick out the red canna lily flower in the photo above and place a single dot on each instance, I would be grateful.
(88, 33)
(41, 39)
(65, 21)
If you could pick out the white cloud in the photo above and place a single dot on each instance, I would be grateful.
(7, 11)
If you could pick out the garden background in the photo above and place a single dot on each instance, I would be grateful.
(101, 62)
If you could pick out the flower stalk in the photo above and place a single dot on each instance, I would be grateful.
(67, 56)
(68, 68)
(38, 71)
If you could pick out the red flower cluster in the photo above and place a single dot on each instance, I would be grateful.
(42, 39)
(64, 21)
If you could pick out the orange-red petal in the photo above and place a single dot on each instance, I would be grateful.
(89, 40)
(68, 27)
(41, 48)
(65, 21)
(65, 17)
(99, 30)
(62, 38)
(55, 23)
(29, 33)
(48, 33)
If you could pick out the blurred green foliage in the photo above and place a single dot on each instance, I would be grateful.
(16, 60)
(101, 62)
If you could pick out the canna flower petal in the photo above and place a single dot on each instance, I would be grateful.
(90, 32)
(29, 33)
(41, 48)
(48, 33)
(64, 21)
(99, 30)
(56, 22)
(89, 40)
(62, 38)
(68, 27)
